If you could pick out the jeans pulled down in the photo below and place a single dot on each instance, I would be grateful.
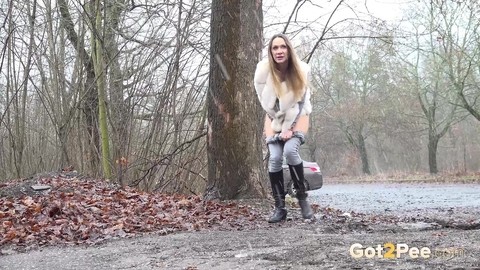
(288, 148)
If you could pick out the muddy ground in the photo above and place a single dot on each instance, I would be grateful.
(301, 247)
(295, 244)
(451, 235)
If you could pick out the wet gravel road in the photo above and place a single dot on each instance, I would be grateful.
(294, 245)
(377, 198)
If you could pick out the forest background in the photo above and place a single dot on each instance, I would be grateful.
(159, 94)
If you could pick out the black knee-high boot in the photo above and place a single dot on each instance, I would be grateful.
(278, 192)
(296, 171)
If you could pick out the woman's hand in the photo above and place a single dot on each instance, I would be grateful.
(286, 135)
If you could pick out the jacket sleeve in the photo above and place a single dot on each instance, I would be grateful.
(307, 105)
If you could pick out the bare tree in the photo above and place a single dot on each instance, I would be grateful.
(148, 63)
(358, 83)
(234, 116)
(119, 112)
(89, 95)
(457, 29)
(428, 71)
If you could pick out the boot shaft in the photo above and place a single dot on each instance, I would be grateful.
(277, 184)
(298, 178)
(278, 193)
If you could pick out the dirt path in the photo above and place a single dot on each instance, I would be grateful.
(322, 244)
(451, 235)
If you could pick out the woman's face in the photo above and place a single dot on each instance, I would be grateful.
(279, 51)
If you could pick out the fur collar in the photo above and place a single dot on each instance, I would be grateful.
(283, 118)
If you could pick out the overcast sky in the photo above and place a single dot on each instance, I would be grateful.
(390, 10)
(277, 13)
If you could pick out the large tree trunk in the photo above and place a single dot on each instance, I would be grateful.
(234, 115)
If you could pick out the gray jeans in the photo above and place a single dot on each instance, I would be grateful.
(278, 149)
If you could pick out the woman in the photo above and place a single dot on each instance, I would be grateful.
(281, 82)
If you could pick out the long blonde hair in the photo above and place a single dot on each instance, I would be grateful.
(295, 78)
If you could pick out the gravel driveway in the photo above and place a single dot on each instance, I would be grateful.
(323, 244)
(397, 197)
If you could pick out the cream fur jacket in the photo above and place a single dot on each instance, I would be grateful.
(288, 109)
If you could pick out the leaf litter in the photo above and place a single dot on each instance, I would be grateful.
(80, 210)
(88, 211)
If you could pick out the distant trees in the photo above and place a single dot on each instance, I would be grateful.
(440, 61)
(354, 89)
(133, 87)
(407, 86)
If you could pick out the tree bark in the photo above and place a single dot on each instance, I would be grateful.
(119, 116)
(362, 149)
(432, 152)
(234, 115)
(21, 117)
(100, 75)
(90, 97)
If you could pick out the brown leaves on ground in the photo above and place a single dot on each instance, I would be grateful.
(88, 211)
(79, 211)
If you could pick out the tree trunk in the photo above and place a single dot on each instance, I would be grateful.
(90, 100)
(118, 107)
(234, 115)
(432, 152)
(90, 105)
(99, 65)
(21, 117)
(61, 115)
(362, 149)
